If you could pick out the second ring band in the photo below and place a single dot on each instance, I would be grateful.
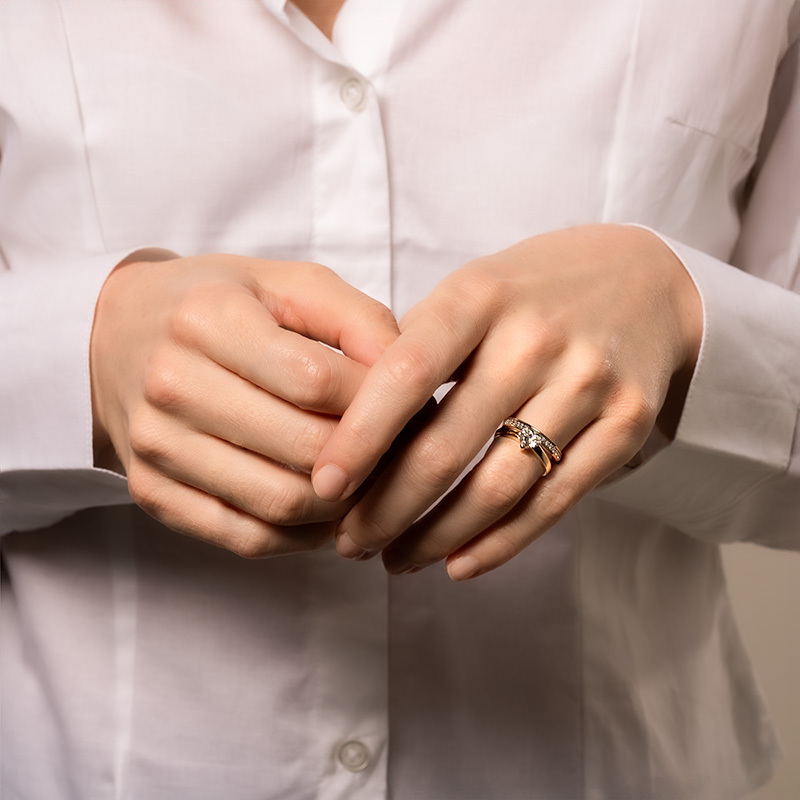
(524, 444)
(532, 435)
(531, 439)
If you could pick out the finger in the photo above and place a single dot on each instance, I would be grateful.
(232, 328)
(573, 397)
(195, 513)
(599, 450)
(314, 301)
(437, 339)
(241, 478)
(220, 403)
(499, 481)
(495, 486)
(426, 467)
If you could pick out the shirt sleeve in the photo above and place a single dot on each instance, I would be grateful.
(733, 470)
(46, 455)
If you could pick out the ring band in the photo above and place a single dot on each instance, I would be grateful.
(525, 444)
(530, 435)
(531, 439)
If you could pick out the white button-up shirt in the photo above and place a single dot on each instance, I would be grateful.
(603, 662)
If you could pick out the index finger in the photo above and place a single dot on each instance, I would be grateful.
(439, 337)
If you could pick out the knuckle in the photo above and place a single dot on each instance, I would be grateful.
(146, 490)
(478, 286)
(145, 436)
(318, 273)
(163, 386)
(593, 374)
(308, 443)
(312, 380)
(437, 460)
(222, 309)
(482, 282)
(540, 342)
(414, 369)
(283, 505)
(550, 339)
(203, 311)
(634, 416)
(554, 502)
(363, 440)
(498, 488)
(252, 545)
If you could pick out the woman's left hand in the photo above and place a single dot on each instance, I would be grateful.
(589, 334)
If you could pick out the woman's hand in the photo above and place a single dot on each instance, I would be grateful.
(211, 385)
(587, 334)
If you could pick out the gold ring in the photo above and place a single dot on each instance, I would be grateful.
(531, 439)
(526, 444)
(532, 435)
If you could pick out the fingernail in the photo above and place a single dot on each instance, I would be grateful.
(330, 482)
(463, 567)
(347, 548)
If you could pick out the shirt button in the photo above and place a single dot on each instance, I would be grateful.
(354, 756)
(354, 94)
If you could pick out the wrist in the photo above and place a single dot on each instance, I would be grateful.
(689, 322)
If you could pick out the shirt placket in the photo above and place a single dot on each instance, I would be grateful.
(351, 230)
(351, 234)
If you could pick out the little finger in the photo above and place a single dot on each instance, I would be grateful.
(246, 480)
(599, 451)
(203, 516)
(515, 460)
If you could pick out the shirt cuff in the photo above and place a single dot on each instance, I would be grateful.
(46, 318)
(738, 424)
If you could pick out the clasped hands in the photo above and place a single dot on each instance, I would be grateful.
(216, 386)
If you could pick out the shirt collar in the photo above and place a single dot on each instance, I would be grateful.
(276, 6)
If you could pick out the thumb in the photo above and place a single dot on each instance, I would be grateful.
(314, 301)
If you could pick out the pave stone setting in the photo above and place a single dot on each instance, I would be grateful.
(529, 436)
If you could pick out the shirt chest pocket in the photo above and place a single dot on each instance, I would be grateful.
(694, 104)
(709, 65)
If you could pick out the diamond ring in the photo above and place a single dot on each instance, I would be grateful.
(531, 439)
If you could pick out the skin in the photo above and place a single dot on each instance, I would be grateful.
(211, 388)
(213, 394)
(596, 353)
(322, 13)
(590, 334)
(215, 433)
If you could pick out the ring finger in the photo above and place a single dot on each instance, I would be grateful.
(497, 484)
(242, 413)
(598, 451)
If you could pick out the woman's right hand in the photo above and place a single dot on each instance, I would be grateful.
(212, 387)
